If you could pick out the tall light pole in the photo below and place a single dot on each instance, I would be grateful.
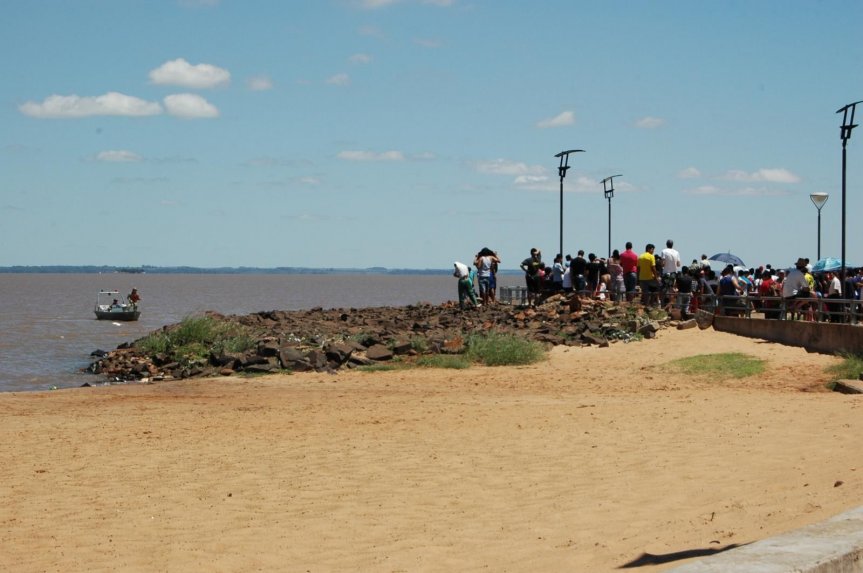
(819, 199)
(845, 134)
(564, 166)
(608, 189)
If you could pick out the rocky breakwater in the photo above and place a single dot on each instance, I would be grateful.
(327, 340)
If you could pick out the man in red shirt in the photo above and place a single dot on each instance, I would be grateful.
(772, 291)
(629, 262)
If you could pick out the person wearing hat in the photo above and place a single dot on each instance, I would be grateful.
(795, 286)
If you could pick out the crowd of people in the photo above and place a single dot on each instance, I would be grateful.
(661, 279)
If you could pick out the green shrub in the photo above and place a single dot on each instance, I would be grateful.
(419, 344)
(495, 349)
(202, 328)
(849, 369)
(196, 337)
(156, 343)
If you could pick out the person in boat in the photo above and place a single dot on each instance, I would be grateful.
(134, 297)
(115, 303)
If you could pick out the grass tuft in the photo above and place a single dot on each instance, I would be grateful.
(849, 369)
(454, 361)
(196, 337)
(720, 366)
(495, 349)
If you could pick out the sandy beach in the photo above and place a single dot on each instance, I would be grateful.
(592, 460)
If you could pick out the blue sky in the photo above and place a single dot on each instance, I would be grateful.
(341, 133)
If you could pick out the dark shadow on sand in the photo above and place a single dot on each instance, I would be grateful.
(650, 559)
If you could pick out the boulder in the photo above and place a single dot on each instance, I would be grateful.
(379, 352)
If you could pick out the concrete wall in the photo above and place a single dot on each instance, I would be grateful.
(813, 336)
(832, 546)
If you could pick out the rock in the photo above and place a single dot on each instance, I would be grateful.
(289, 354)
(401, 347)
(704, 319)
(317, 359)
(379, 352)
(649, 329)
(687, 324)
(268, 348)
(338, 352)
(591, 338)
(326, 340)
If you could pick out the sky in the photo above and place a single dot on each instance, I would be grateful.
(413, 133)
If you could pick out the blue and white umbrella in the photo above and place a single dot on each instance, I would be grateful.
(829, 264)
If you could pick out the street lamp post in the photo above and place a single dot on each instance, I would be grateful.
(608, 189)
(819, 199)
(845, 134)
(564, 166)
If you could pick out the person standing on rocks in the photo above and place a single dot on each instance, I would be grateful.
(465, 284)
(648, 277)
(615, 273)
(485, 262)
(557, 271)
(578, 272)
(532, 277)
(629, 262)
(670, 267)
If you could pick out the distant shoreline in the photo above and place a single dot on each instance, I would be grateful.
(107, 269)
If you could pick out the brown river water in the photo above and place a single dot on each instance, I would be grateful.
(48, 328)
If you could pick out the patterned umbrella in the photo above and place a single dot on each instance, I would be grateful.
(728, 259)
(829, 264)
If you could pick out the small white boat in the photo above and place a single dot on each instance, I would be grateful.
(111, 305)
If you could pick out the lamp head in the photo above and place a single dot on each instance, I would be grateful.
(819, 199)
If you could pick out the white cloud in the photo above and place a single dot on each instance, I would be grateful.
(190, 106)
(375, 4)
(353, 155)
(427, 42)
(309, 180)
(689, 173)
(443, 3)
(737, 192)
(112, 103)
(650, 122)
(371, 31)
(360, 59)
(179, 72)
(339, 80)
(580, 184)
(259, 83)
(528, 179)
(505, 167)
(560, 120)
(118, 156)
(704, 190)
(763, 175)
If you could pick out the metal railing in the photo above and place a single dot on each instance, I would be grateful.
(814, 309)
(848, 311)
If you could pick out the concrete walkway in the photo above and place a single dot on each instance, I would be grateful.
(832, 546)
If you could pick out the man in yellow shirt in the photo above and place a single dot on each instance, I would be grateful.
(648, 277)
